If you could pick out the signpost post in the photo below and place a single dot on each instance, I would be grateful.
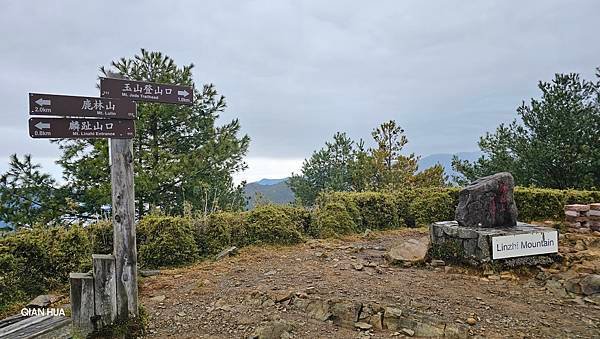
(121, 156)
(110, 116)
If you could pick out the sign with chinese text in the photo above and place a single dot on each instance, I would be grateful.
(81, 128)
(66, 105)
(520, 245)
(146, 91)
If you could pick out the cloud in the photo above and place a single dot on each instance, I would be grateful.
(295, 72)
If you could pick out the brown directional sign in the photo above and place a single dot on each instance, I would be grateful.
(74, 106)
(81, 128)
(146, 91)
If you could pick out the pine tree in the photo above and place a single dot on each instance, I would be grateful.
(180, 155)
(29, 197)
(554, 144)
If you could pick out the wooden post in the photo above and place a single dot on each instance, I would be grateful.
(105, 289)
(82, 303)
(124, 247)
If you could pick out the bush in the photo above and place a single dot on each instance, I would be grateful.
(548, 204)
(271, 224)
(69, 251)
(333, 219)
(431, 205)
(165, 241)
(101, 237)
(11, 280)
(35, 261)
(380, 210)
(213, 233)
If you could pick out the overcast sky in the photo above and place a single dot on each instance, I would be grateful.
(295, 72)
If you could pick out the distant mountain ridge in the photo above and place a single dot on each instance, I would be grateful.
(269, 182)
(278, 191)
(445, 159)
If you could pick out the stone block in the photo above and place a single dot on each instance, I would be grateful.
(318, 309)
(572, 213)
(344, 313)
(376, 320)
(576, 219)
(391, 318)
(577, 207)
(475, 243)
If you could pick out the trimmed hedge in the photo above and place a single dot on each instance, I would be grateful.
(35, 261)
(548, 204)
(266, 224)
(166, 241)
(340, 213)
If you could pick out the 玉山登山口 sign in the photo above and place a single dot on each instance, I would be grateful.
(77, 106)
(81, 128)
(519, 245)
(146, 91)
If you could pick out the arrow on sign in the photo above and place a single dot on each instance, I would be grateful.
(183, 93)
(42, 126)
(43, 102)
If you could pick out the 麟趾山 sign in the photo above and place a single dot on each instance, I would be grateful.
(520, 245)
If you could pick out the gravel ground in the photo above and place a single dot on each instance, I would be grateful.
(213, 299)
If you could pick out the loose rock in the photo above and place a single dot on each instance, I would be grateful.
(437, 262)
(363, 326)
(590, 284)
(408, 332)
(274, 330)
(231, 251)
(158, 298)
(44, 300)
(149, 273)
(409, 252)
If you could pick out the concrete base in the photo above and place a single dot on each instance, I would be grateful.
(474, 245)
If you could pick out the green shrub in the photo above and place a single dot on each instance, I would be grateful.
(377, 211)
(431, 205)
(11, 280)
(213, 233)
(30, 249)
(548, 204)
(35, 261)
(333, 219)
(101, 237)
(165, 241)
(368, 210)
(271, 224)
(69, 251)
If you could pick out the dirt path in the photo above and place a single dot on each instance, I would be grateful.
(214, 299)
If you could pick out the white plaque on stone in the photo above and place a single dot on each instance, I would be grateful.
(520, 245)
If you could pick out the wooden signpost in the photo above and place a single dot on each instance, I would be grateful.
(80, 128)
(66, 105)
(146, 91)
(110, 116)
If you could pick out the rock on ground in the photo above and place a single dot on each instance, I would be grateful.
(410, 251)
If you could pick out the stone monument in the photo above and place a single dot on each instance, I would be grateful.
(486, 228)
